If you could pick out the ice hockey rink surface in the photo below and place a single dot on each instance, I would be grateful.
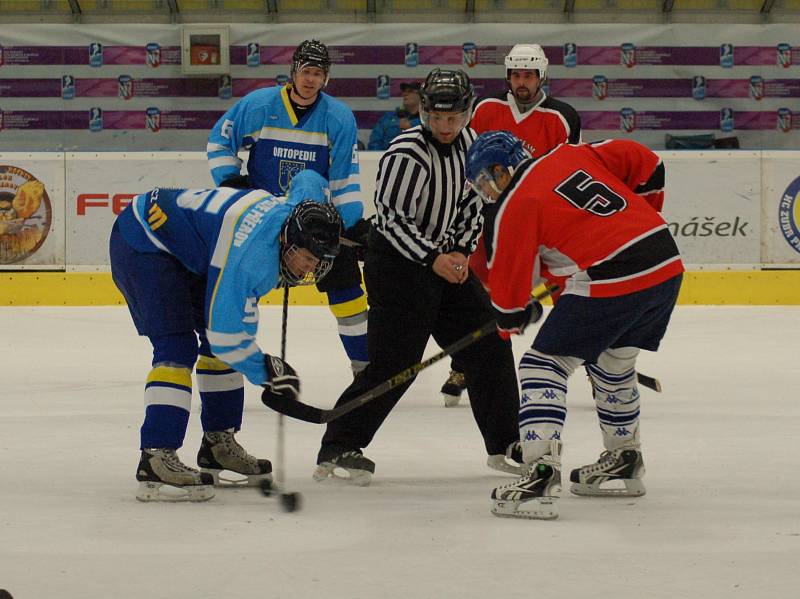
(721, 518)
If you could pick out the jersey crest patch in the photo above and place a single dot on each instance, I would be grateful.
(287, 169)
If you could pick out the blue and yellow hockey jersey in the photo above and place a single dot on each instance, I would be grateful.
(324, 140)
(232, 237)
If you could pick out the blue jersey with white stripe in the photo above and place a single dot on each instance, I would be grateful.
(232, 237)
(325, 140)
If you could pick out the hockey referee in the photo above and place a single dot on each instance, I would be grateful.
(419, 284)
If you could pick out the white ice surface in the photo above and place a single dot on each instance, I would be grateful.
(721, 517)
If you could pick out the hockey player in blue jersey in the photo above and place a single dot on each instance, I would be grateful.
(288, 129)
(192, 265)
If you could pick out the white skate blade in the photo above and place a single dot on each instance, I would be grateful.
(450, 401)
(153, 491)
(229, 478)
(353, 476)
(498, 462)
(620, 487)
(540, 508)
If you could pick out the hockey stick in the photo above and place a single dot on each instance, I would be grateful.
(307, 413)
(289, 501)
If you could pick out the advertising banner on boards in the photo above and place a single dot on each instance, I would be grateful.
(31, 211)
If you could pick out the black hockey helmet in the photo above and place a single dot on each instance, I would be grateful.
(311, 53)
(447, 91)
(316, 227)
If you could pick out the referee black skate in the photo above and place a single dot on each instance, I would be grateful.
(419, 284)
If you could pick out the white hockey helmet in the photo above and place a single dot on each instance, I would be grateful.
(530, 57)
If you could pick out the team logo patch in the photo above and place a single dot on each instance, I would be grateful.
(789, 214)
(287, 169)
(25, 214)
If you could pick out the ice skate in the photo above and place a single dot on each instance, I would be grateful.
(510, 462)
(163, 477)
(453, 388)
(618, 472)
(534, 495)
(350, 466)
(228, 463)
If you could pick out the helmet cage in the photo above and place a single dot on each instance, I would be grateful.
(495, 148)
(315, 227)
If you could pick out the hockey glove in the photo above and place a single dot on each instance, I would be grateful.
(514, 323)
(237, 182)
(359, 234)
(283, 383)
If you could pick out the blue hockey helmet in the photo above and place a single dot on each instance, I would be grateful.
(313, 226)
(494, 148)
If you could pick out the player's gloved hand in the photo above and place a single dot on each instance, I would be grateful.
(359, 233)
(283, 383)
(237, 182)
(514, 323)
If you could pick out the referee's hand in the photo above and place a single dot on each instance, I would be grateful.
(452, 267)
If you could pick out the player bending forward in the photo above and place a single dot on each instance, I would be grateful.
(580, 211)
(194, 263)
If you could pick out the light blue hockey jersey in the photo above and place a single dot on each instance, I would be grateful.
(232, 236)
(325, 140)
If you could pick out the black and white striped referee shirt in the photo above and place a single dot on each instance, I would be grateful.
(422, 206)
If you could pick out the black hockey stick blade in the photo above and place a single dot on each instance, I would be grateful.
(649, 382)
(307, 413)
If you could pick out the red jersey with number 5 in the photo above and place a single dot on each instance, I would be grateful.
(579, 212)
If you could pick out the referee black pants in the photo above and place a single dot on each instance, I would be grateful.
(408, 303)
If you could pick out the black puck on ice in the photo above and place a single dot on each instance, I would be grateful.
(291, 502)
(266, 487)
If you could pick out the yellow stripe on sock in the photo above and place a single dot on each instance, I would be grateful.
(211, 363)
(350, 308)
(171, 374)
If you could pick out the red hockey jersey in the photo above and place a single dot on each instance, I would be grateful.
(541, 128)
(575, 212)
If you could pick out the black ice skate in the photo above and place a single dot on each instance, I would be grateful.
(228, 463)
(510, 462)
(617, 473)
(163, 477)
(350, 466)
(453, 388)
(534, 496)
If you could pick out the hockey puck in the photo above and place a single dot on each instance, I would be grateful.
(291, 502)
(266, 487)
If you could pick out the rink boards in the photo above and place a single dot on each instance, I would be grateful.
(734, 214)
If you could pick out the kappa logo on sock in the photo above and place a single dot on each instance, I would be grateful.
(532, 436)
(556, 436)
(622, 432)
(549, 394)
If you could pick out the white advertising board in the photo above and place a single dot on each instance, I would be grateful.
(713, 205)
(32, 211)
(714, 201)
(781, 215)
(101, 185)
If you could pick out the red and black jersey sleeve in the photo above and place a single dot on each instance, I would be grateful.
(637, 166)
